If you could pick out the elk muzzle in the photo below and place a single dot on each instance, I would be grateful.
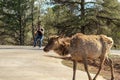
(46, 50)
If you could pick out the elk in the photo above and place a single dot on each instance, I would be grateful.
(83, 47)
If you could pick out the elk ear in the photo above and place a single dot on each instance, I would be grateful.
(58, 37)
(62, 36)
(64, 43)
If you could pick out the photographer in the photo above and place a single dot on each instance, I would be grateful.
(39, 35)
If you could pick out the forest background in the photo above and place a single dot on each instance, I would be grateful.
(18, 19)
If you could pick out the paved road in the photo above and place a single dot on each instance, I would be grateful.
(33, 64)
(115, 52)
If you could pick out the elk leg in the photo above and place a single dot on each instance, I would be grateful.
(110, 63)
(74, 69)
(86, 68)
(102, 59)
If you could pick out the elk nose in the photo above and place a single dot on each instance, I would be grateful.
(45, 49)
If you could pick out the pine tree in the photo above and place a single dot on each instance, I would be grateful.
(14, 15)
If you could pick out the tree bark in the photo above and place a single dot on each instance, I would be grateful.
(82, 15)
(21, 37)
(32, 19)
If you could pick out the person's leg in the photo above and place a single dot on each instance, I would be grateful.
(41, 40)
(35, 41)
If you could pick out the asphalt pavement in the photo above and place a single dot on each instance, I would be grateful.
(29, 63)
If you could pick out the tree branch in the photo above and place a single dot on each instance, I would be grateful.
(67, 2)
(108, 18)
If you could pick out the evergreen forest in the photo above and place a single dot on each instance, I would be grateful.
(18, 19)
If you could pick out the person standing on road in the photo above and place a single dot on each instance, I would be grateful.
(39, 35)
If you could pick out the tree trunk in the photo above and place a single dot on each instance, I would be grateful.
(21, 37)
(82, 15)
(32, 19)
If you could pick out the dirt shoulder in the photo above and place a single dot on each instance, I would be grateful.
(93, 67)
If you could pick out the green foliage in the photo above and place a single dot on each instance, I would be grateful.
(60, 18)
(14, 15)
(70, 17)
(65, 17)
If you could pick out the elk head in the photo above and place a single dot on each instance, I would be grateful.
(53, 43)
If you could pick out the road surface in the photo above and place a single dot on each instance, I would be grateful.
(28, 63)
